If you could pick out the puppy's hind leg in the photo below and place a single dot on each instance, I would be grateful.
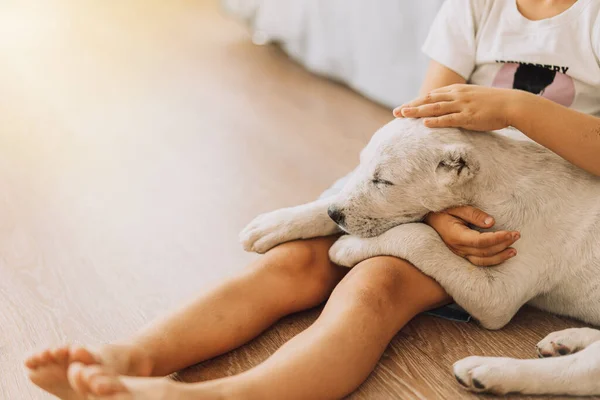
(576, 374)
(567, 341)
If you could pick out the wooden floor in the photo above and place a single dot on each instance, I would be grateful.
(136, 140)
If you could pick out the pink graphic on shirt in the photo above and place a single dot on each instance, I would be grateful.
(549, 84)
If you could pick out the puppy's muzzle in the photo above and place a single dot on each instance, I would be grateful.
(336, 215)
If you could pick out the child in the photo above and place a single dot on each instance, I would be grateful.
(547, 50)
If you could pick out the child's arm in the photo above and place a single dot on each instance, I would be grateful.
(572, 135)
(438, 76)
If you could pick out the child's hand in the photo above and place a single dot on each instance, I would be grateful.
(481, 249)
(471, 107)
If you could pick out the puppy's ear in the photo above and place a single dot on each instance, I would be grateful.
(457, 165)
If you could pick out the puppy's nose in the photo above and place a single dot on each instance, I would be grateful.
(336, 215)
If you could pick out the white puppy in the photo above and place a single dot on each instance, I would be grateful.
(407, 171)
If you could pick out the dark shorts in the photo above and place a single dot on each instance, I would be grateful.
(453, 311)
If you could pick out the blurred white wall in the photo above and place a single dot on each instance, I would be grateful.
(372, 46)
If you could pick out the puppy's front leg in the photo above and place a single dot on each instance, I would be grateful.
(301, 222)
(576, 374)
(567, 341)
(350, 250)
(491, 295)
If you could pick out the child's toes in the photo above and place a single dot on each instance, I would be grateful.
(60, 355)
(92, 379)
(106, 385)
(49, 356)
(38, 359)
(81, 355)
(75, 378)
(45, 357)
(32, 361)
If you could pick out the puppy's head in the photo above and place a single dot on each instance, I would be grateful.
(406, 171)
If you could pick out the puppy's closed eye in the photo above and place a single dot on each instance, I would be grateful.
(377, 181)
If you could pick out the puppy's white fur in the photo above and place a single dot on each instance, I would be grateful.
(407, 171)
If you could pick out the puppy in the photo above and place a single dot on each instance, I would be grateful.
(407, 171)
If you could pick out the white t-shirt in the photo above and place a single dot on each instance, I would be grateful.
(490, 43)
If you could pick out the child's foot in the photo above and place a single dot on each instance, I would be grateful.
(99, 383)
(48, 369)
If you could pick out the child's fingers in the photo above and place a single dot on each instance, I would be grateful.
(430, 98)
(472, 238)
(427, 99)
(472, 215)
(398, 112)
(488, 251)
(493, 260)
(455, 120)
(491, 239)
(431, 110)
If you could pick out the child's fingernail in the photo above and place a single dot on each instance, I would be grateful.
(515, 236)
(512, 253)
(407, 110)
(488, 220)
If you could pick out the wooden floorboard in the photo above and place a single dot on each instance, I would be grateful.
(136, 140)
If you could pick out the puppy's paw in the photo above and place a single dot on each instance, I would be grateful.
(268, 230)
(487, 374)
(349, 250)
(567, 341)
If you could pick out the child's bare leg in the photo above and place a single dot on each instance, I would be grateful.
(291, 277)
(333, 356)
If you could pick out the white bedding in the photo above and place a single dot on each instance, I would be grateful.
(372, 46)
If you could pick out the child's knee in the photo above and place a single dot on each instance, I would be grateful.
(375, 283)
(384, 283)
(303, 267)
